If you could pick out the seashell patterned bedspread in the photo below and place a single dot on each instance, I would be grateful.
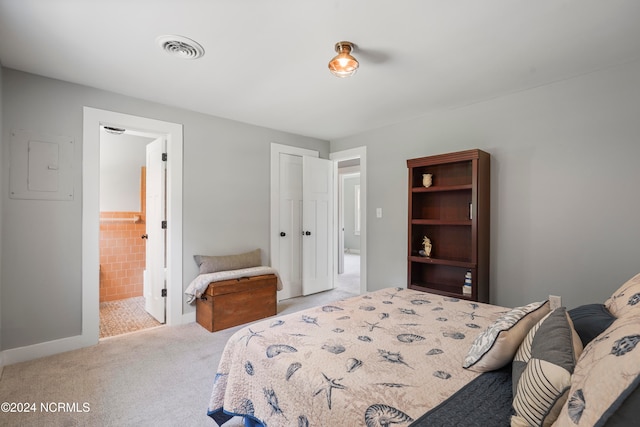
(382, 358)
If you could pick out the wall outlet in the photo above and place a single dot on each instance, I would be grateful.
(555, 301)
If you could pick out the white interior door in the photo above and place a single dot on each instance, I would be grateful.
(317, 218)
(289, 232)
(155, 283)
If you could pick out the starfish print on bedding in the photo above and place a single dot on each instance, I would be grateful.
(391, 295)
(471, 315)
(372, 326)
(329, 385)
(250, 335)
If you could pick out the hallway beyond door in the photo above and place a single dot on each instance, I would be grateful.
(350, 280)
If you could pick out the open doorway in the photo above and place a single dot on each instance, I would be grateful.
(351, 219)
(92, 121)
(349, 226)
(124, 219)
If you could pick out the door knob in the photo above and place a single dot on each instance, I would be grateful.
(308, 233)
(145, 236)
(282, 234)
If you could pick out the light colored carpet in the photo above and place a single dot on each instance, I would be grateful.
(156, 377)
(124, 316)
(349, 280)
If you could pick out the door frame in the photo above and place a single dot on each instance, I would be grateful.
(336, 157)
(92, 119)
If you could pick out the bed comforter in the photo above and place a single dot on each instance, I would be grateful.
(382, 358)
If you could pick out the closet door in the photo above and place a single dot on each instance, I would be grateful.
(290, 226)
(317, 219)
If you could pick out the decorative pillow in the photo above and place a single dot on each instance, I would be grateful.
(590, 321)
(212, 264)
(495, 347)
(605, 382)
(626, 300)
(542, 370)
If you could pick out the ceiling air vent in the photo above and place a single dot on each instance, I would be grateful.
(113, 130)
(181, 47)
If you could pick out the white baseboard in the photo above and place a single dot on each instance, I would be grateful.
(36, 351)
(188, 317)
(49, 348)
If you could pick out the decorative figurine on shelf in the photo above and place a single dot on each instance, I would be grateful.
(427, 179)
(426, 252)
(466, 289)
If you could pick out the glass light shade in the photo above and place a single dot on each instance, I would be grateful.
(343, 64)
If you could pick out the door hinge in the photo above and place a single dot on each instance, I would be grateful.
(164, 293)
(164, 157)
(164, 225)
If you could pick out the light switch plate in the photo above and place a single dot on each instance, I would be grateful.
(378, 212)
(555, 301)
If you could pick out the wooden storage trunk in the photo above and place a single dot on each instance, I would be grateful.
(236, 301)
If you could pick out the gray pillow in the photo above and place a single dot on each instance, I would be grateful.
(213, 264)
(542, 370)
(590, 321)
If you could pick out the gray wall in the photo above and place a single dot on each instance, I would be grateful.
(564, 192)
(351, 240)
(225, 200)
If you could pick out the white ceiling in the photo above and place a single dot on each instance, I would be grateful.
(266, 60)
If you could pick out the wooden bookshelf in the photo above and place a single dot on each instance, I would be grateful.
(454, 214)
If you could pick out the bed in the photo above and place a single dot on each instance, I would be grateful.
(402, 357)
(387, 355)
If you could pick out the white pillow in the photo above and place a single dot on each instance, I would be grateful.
(496, 346)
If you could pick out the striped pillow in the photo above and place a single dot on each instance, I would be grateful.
(542, 370)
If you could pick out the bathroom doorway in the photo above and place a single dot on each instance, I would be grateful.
(124, 217)
(93, 119)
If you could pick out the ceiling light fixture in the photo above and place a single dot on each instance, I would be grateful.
(182, 47)
(343, 64)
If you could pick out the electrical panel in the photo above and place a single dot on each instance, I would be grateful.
(41, 166)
